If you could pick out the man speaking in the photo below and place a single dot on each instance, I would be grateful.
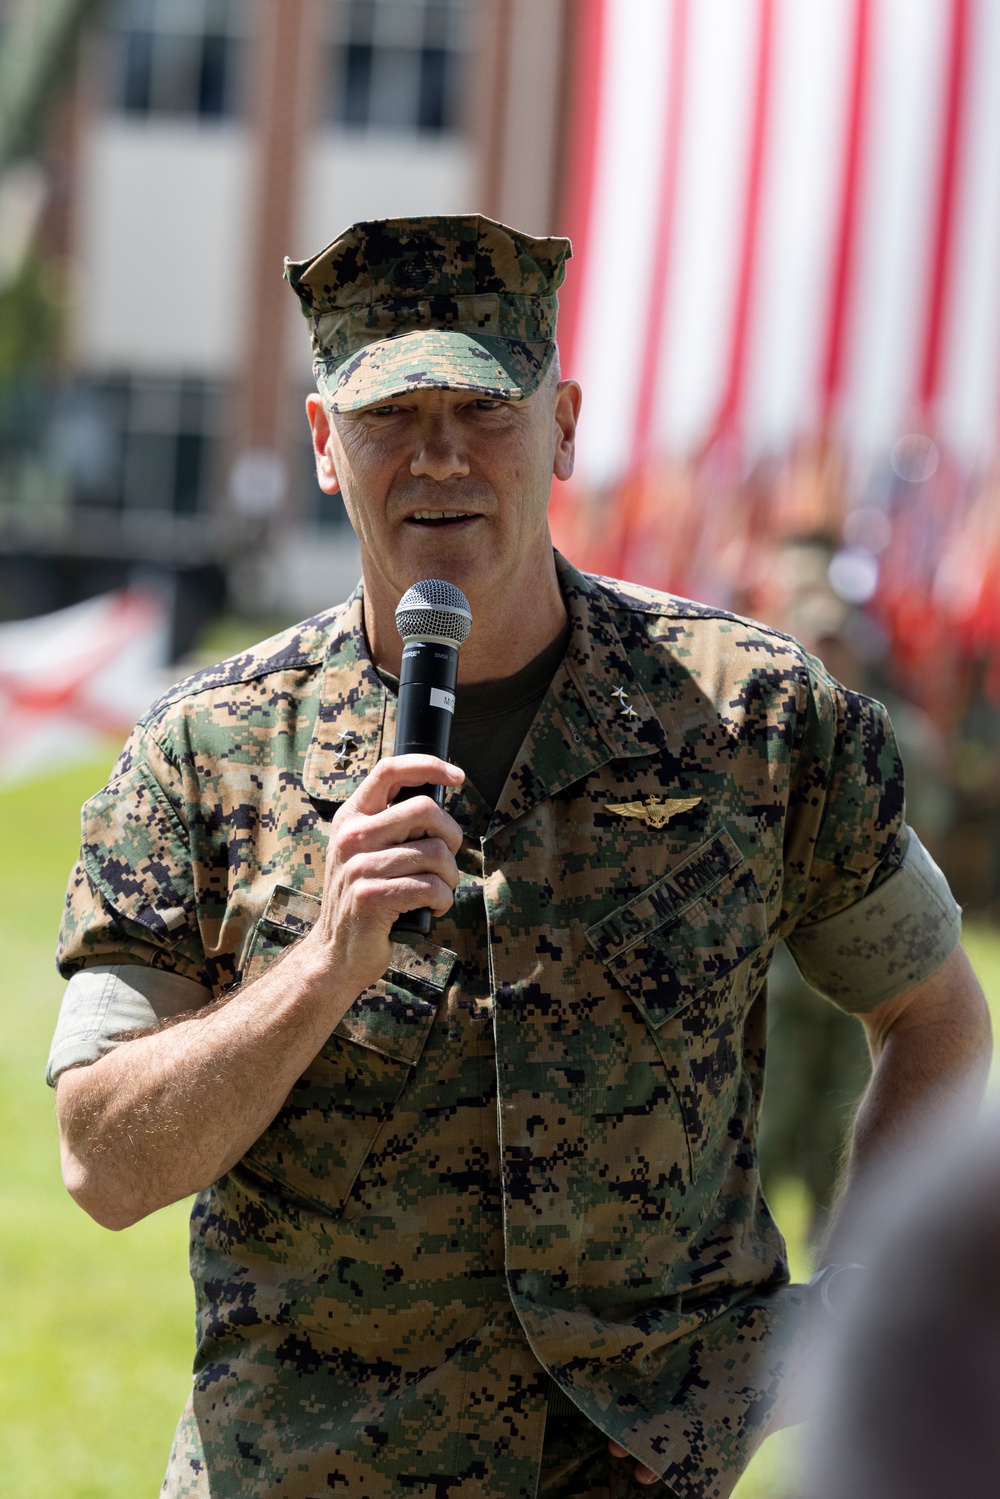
(479, 1213)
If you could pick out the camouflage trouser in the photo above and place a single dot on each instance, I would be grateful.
(576, 1464)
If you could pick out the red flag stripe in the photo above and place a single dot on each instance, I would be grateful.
(585, 133)
(869, 306)
(944, 226)
(128, 615)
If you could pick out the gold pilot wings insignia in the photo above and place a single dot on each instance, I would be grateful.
(656, 814)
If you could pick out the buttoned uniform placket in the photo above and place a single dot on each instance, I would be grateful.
(590, 721)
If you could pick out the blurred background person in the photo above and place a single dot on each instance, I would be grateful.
(907, 1389)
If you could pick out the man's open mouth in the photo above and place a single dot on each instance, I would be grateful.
(441, 517)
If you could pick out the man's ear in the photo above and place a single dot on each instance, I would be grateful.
(567, 412)
(319, 422)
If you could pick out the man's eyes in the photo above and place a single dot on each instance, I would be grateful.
(393, 408)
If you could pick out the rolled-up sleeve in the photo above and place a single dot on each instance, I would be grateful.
(130, 941)
(104, 1004)
(867, 912)
(885, 943)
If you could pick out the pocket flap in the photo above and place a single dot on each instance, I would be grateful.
(291, 909)
(423, 961)
(426, 963)
(389, 1020)
(666, 900)
(685, 932)
(295, 911)
(392, 1018)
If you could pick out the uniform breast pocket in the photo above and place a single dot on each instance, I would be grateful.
(330, 1121)
(683, 951)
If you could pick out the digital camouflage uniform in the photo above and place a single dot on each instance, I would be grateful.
(531, 1146)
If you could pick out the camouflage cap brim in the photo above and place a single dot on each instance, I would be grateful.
(433, 359)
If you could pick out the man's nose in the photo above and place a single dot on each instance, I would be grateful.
(440, 454)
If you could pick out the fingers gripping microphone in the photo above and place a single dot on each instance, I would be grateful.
(433, 619)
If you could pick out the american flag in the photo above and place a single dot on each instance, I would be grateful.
(786, 226)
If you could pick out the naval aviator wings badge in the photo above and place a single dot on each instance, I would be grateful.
(656, 813)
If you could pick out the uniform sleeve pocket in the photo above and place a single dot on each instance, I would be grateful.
(682, 951)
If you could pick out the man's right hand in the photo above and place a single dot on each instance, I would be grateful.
(385, 858)
(166, 1113)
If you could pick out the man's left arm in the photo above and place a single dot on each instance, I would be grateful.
(874, 927)
(931, 1047)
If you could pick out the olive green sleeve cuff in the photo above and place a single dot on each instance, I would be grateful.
(102, 1004)
(885, 943)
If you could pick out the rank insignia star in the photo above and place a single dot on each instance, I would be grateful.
(630, 712)
(620, 694)
(655, 813)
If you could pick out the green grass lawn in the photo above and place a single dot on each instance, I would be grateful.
(96, 1328)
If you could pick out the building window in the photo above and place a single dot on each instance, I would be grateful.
(139, 444)
(398, 64)
(179, 57)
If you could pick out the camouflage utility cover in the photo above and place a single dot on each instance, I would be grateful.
(530, 1146)
(452, 302)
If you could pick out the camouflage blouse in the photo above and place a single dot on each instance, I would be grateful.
(530, 1146)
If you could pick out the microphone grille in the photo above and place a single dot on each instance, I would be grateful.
(434, 608)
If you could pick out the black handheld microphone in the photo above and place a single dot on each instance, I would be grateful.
(433, 619)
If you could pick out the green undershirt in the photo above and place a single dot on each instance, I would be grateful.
(492, 719)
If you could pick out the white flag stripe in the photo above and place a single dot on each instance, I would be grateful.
(805, 160)
(900, 184)
(56, 644)
(711, 194)
(618, 294)
(970, 399)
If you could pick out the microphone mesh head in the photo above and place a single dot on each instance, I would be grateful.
(434, 609)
